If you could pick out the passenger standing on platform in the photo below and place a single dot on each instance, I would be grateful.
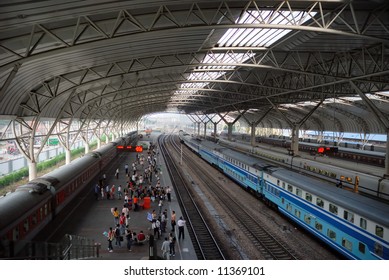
(102, 193)
(126, 168)
(140, 180)
(111, 235)
(107, 191)
(97, 191)
(156, 227)
(173, 220)
(133, 178)
(122, 223)
(113, 192)
(125, 209)
(172, 244)
(128, 220)
(163, 221)
(135, 203)
(129, 238)
(169, 194)
(120, 192)
(117, 236)
(116, 215)
(181, 223)
(153, 215)
(165, 249)
(117, 173)
(160, 206)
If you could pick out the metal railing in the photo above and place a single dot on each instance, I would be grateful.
(71, 247)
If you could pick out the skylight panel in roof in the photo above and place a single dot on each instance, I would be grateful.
(262, 37)
(193, 85)
(224, 58)
(205, 75)
(385, 93)
(185, 92)
(352, 98)
(243, 37)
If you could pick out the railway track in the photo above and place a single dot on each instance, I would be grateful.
(261, 237)
(204, 242)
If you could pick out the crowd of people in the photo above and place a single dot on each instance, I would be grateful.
(142, 181)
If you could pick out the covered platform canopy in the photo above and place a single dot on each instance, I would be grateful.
(82, 67)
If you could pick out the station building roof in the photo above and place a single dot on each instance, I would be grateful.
(278, 61)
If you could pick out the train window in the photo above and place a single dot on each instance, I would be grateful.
(26, 225)
(363, 223)
(34, 218)
(45, 213)
(348, 216)
(307, 219)
(308, 197)
(333, 209)
(290, 188)
(379, 231)
(362, 247)
(347, 244)
(297, 213)
(289, 207)
(283, 185)
(331, 234)
(282, 200)
(278, 182)
(15, 233)
(349, 180)
(299, 192)
(319, 202)
(378, 249)
(319, 226)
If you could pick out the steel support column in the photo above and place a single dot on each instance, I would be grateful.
(382, 119)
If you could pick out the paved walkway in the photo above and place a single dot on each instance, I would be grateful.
(98, 218)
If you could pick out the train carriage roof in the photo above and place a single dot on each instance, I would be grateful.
(11, 203)
(364, 206)
(66, 172)
(212, 146)
(246, 159)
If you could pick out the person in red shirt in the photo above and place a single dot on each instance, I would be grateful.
(136, 203)
(122, 223)
(141, 236)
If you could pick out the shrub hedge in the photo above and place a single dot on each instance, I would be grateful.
(22, 173)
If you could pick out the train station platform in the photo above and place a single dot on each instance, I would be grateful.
(97, 218)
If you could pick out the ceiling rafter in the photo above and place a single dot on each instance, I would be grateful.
(106, 61)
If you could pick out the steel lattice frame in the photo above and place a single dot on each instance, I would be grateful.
(120, 88)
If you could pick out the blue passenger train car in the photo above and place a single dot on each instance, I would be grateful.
(354, 225)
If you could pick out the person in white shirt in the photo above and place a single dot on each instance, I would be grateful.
(169, 193)
(165, 249)
(181, 224)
